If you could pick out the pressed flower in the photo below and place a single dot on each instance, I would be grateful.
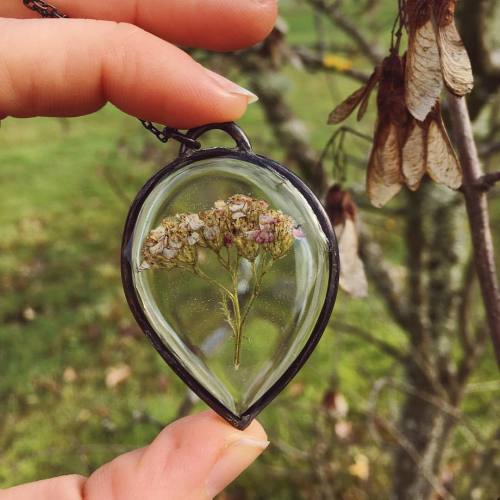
(144, 265)
(298, 234)
(238, 215)
(228, 239)
(266, 218)
(156, 249)
(175, 243)
(245, 227)
(191, 222)
(170, 253)
(211, 233)
(193, 238)
(158, 233)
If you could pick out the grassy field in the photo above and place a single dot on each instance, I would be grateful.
(65, 329)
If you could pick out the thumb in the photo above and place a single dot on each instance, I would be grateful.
(192, 459)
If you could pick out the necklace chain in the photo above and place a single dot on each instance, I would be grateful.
(44, 9)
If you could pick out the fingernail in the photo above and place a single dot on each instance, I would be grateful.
(239, 453)
(231, 87)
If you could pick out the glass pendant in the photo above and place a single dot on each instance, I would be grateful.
(230, 267)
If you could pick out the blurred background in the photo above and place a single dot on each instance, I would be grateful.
(401, 397)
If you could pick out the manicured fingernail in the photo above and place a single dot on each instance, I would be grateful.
(239, 453)
(232, 87)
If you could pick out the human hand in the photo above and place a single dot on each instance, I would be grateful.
(192, 459)
(122, 54)
(70, 67)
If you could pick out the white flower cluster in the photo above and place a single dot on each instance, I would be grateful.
(240, 221)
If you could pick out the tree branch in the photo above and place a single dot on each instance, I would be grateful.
(487, 181)
(349, 28)
(478, 214)
(382, 345)
(314, 62)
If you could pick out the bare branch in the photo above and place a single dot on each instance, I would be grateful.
(487, 181)
(333, 12)
(478, 213)
(470, 358)
(464, 306)
(315, 62)
(384, 346)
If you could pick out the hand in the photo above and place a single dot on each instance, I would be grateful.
(192, 459)
(70, 67)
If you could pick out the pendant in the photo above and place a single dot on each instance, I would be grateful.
(230, 267)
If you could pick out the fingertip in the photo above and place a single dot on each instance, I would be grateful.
(253, 27)
(256, 431)
(195, 457)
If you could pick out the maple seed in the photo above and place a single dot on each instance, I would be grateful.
(436, 54)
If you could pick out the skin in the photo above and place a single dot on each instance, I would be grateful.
(125, 52)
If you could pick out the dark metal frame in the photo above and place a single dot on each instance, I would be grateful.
(242, 152)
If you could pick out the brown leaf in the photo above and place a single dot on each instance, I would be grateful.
(424, 81)
(116, 375)
(455, 62)
(442, 162)
(342, 212)
(339, 205)
(414, 155)
(352, 271)
(345, 108)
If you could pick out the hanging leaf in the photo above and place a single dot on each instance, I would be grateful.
(343, 214)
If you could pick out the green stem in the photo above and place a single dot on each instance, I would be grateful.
(264, 268)
(237, 314)
(206, 277)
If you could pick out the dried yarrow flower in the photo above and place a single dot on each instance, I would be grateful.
(243, 227)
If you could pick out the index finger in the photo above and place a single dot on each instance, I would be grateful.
(211, 24)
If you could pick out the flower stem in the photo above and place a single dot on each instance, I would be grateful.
(237, 314)
(258, 275)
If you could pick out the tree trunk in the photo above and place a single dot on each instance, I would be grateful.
(427, 428)
(424, 426)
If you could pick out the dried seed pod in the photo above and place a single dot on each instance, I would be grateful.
(359, 97)
(428, 150)
(435, 53)
(455, 62)
(415, 155)
(384, 177)
(443, 165)
(342, 211)
(424, 80)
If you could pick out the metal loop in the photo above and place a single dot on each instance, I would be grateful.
(233, 130)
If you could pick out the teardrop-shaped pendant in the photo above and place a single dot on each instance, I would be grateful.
(230, 267)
